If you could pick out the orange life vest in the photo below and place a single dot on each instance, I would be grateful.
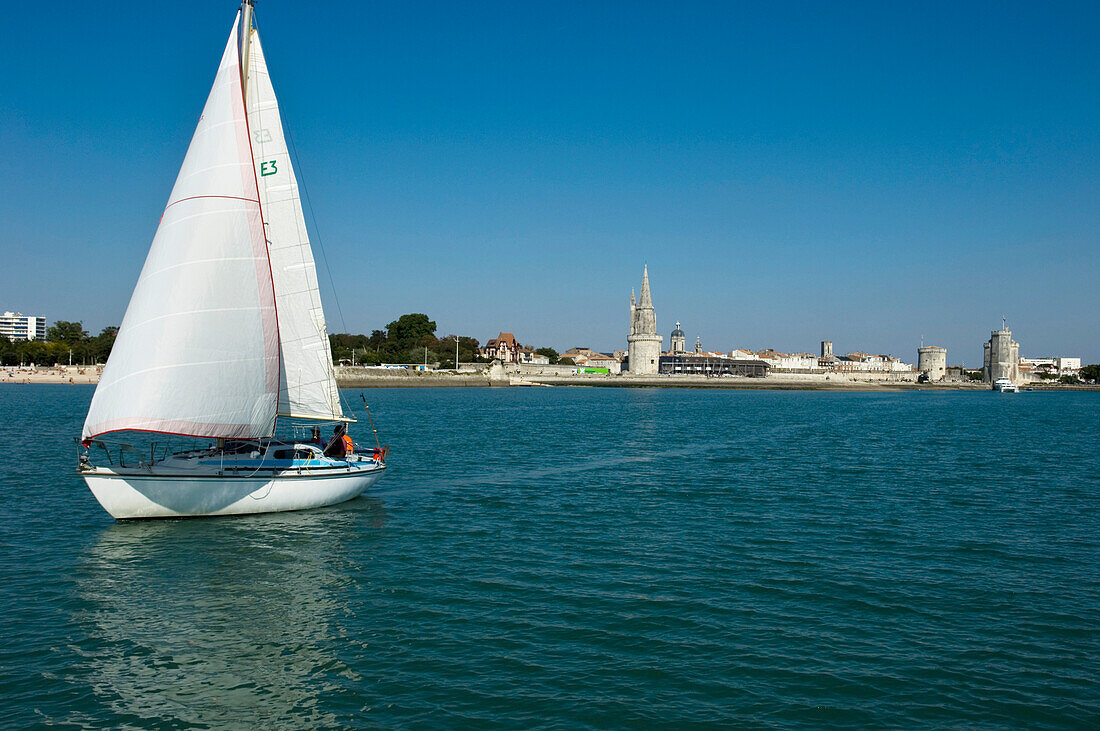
(349, 446)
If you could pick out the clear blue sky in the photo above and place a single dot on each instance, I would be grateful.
(863, 172)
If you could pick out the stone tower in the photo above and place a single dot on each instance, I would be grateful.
(1002, 356)
(932, 360)
(643, 342)
(678, 341)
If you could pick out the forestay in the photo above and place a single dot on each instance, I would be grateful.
(307, 382)
(198, 349)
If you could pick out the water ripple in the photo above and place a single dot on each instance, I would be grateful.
(586, 559)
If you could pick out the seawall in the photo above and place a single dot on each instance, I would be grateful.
(498, 376)
(773, 383)
(359, 377)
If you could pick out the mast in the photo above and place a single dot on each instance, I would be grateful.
(246, 37)
(245, 40)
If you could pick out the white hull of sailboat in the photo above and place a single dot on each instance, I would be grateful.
(128, 496)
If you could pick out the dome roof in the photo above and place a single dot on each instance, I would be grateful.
(677, 333)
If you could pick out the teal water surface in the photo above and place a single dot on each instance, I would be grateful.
(584, 558)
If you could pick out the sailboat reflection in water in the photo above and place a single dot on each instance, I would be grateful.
(193, 625)
(225, 334)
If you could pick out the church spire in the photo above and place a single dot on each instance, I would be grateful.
(644, 300)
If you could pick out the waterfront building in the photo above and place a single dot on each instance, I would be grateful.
(932, 361)
(17, 326)
(865, 362)
(503, 347)
(769, 356)
(712, 365)
(827, 360)
(1068, 366)
(677, 341)
(528, 356)
(603, 360)
(588, 358)
(800, 362)
(1001, 356)
(1049, 367)
(643, 342)
(1039, 364)
(790, 362)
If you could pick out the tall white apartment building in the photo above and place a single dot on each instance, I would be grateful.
(17, 326)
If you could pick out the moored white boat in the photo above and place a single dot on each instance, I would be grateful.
(225, 333)
(1005, 385)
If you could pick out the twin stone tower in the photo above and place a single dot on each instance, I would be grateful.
(644, 344)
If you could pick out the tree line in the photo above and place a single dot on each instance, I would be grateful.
(408, 339)
(411, 338)
(62, 339)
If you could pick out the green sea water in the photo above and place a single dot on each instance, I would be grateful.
(583, 558)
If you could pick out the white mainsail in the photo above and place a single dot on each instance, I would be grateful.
(198, 349)
(307, 382)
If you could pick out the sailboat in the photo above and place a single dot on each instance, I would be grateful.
(224, 334)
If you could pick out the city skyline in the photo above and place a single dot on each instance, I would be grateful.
(864, 174)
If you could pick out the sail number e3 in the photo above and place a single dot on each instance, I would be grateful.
(268, 168)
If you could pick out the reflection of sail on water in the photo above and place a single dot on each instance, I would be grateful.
(220, 625)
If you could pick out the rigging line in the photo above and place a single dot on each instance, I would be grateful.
(324, 256)
(309, 203)
(304, 192)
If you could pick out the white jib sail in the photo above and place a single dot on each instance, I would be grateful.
(308, 384)
(198, 349)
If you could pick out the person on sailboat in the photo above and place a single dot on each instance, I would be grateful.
(337, 448)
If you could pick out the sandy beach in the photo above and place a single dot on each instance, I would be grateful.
(59, 374)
